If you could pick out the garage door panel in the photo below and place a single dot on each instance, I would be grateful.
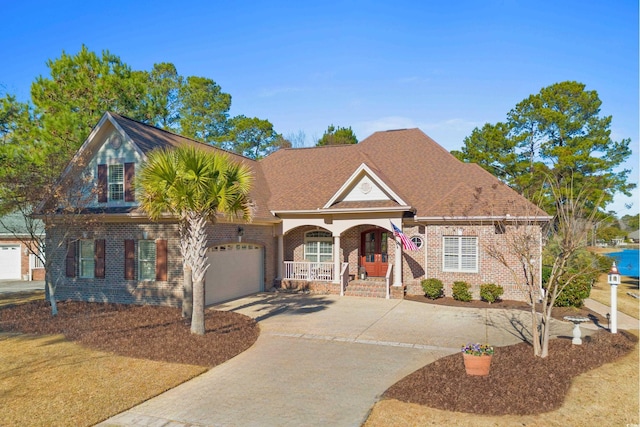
(233, 272)
(10, 262)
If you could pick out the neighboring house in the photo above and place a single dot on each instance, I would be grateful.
(16, 260)
(322, 216)
(634, 236)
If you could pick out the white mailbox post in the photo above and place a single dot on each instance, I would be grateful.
(614, 281)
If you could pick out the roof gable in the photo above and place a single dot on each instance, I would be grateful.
(364, 186)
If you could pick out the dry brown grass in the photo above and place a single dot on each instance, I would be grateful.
(21, 297)
(46, 380)
(589, 402)
(601, 292)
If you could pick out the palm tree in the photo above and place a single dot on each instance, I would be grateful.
(196, 186)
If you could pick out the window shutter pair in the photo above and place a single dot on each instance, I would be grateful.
(130, 260)
(72, 258)
(103, 185)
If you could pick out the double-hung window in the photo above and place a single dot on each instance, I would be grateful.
(146, 260)
(460, 253)
(87, 259)
(318, 246)
(116, 182)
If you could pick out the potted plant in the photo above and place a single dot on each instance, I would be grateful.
(477, 358)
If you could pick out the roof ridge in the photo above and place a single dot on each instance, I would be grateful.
(206, 144)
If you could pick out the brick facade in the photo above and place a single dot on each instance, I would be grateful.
(427, 261)
(489, 269)
(116, 289)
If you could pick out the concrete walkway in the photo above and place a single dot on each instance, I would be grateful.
(624, 320)
(323, 360)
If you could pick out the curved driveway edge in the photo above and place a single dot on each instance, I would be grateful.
(323, 360)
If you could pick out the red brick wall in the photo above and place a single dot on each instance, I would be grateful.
(114, 288)
(489, 269)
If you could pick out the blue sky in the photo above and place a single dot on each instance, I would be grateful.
(445, 67)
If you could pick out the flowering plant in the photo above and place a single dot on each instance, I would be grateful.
(478, 349)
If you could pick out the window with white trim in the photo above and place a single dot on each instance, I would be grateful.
(318, 246)
(146, 260)
(417, 240)
(460, 253)
(87, 259)
(116, 182)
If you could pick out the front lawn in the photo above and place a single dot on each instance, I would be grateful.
(94, 360)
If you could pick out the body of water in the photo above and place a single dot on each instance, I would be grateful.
(627, 261)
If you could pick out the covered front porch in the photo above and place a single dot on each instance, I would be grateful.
(341, 256)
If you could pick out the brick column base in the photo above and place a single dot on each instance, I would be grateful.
(397, 292)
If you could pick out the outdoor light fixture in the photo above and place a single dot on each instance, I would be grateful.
(240, 233)
(614, 280)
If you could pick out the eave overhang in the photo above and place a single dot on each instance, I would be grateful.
(344, 211)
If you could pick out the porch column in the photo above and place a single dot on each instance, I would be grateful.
(336, 259)
(280, 255)
(397, 266)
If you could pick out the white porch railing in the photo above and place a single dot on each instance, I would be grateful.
(387, 278)
(305, 270)
(35, 262)
(344, 277)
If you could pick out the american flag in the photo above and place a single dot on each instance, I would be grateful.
(407, 244)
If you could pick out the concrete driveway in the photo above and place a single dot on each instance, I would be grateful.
(323, 360)
(10, 286)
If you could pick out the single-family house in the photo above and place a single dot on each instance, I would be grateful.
(20, 238)
(324, 221)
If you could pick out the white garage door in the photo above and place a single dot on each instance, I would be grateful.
(235, 271)
(10, 262)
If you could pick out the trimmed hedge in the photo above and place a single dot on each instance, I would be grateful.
(490, 292)
(432, 288)
(461, 291)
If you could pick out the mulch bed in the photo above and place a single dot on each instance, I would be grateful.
(557, 312)
(518, 382)
(147, 332)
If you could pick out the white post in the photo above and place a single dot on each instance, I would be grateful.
(336, 259)
(397, 267)
(614, 309)
(614, 281)
(280, 256)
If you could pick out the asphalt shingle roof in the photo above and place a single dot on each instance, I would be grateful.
(421, 172)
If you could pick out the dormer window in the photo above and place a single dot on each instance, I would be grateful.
(116, 182)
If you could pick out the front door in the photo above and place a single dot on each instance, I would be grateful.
(373, 252)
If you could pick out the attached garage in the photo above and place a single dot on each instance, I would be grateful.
(10, 267)
(235, 270)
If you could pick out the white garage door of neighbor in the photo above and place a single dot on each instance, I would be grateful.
(10, 262)
(235, 270)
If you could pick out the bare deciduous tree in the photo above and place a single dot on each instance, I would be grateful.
(562, 238)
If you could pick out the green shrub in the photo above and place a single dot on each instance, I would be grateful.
(490, 292)
(583, 269)
(575, 292)
(432, 288)
(461, 291)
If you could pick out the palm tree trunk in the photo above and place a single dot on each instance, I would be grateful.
(198, 257)
(187, 292)
(187, 277)
(197, 320)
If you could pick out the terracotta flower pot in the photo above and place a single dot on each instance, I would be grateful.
(477, 365)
